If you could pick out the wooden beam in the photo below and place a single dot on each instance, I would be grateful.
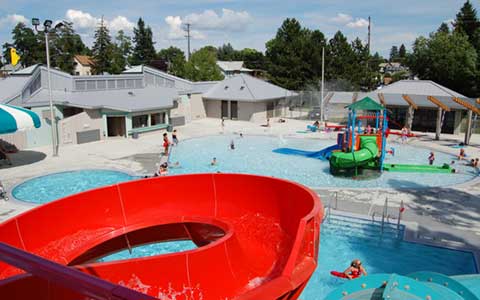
(381, 97)
(438, 103)
(410, 101)
(467, 105)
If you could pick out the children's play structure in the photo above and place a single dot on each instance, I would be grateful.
(420, 285)
(257, 238)
(360, 148)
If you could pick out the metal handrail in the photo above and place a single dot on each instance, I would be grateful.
(384, 213)
(85, 284)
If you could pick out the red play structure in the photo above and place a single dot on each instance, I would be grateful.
(257, 238)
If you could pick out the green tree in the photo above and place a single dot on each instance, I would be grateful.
(448, 59)
(202, 65)
(443, 28)
(175, 59)
(121, 51)
(467, 22)
(64, 45)
(394, 54)
(340, 58)
(285, 54)
(253, 59)
(28, 45)
(102, 50)
(227, 53)
(144, 50)
(402, 52)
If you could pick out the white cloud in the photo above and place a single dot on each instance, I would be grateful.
(358, 23)
(342, 18)
(120, 23)
(177, 29)
(81, 20)
(228, 20)
(12, 20)
(84, 20)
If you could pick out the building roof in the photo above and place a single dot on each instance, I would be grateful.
(10, 68)
(84, 60)
(418, 91)
(128, 100)
(12, 87)
(27, 71)
(243, 87)
(232, 66)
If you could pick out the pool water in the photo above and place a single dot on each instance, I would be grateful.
(150, 250)
(343, 239)
(55, 186)
(253, 155)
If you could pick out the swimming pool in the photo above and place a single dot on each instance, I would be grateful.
(253, 155)
(51, 187)
(341, 240)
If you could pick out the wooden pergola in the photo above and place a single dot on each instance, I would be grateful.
(441, 107)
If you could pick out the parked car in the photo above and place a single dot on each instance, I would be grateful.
(314, 114)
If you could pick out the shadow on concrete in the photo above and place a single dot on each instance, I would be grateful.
(22, 158)
(444, 204)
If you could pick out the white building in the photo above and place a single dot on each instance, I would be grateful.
(230, 68)
(83, 65)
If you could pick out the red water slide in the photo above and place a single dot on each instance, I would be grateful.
(257, 238)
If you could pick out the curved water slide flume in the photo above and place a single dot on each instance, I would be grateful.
(258, 237)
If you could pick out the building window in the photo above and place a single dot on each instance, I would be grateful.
(158, 118)
(138, 83)
(35, 85)
(91, 85)
(140, 121)
(80, 85)
(101, 84)
(111, 84)
(130, 83)
(121, 83)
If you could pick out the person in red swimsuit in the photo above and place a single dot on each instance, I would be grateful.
(355, 270)
(166, 143)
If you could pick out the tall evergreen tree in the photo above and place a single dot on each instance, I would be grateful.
(227, 53)
(102, 49)
(443, 28)
(121, 51)
(394, 54)
(340, 58)
(467, 22)
(144, 50)
(402, 52)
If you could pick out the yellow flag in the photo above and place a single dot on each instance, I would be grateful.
(14, 56)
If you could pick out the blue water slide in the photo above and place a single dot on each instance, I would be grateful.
(323, 154)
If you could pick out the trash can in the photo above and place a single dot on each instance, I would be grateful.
(170, 128)
(135, 135)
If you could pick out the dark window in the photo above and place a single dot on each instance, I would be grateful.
(158, 118)
(140, 121)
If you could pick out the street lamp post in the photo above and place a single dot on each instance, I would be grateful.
(46, 29)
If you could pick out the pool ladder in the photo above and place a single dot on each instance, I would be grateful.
(386, 216)
(328, 208)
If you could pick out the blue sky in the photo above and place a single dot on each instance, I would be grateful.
(245, 23)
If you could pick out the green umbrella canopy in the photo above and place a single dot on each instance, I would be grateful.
(366, 103)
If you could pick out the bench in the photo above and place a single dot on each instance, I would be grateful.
(148, 129)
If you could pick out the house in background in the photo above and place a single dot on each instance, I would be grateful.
(8, 69)
(230, 68)
(83, 65)
(393, 71)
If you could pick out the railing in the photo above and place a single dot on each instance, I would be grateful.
(69, 278)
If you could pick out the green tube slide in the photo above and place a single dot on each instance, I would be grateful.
(347, 160)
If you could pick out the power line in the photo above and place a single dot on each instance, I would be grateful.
(188, 36)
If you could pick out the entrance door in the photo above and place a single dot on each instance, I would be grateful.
(234, 110)
(270, 108)
(224, 109)
(116, 126)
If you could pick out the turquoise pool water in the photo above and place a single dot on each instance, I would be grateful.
(344, 239)
(55, 186)
(253, 155)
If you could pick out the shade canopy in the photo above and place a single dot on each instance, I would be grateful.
(366, 103)
(14, 118)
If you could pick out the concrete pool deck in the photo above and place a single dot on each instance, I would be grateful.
(446, 216)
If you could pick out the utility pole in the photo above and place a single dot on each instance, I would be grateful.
(187, 29)
(322, 115)
(369, 33)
